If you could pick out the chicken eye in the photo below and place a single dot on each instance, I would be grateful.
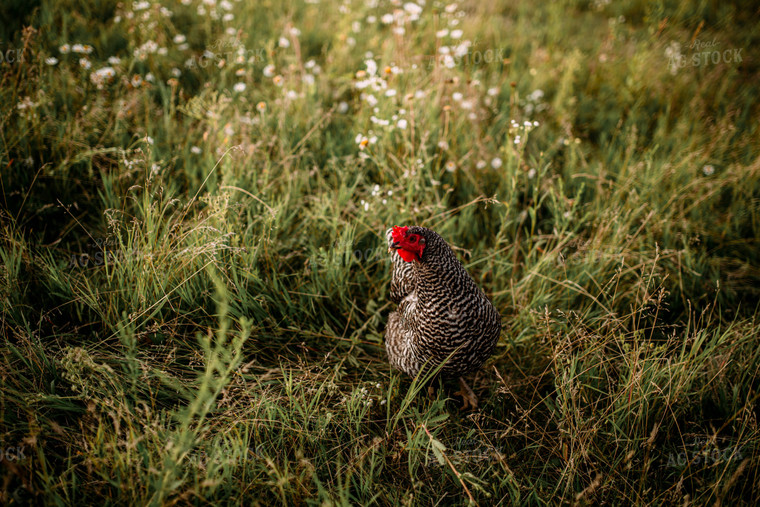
(413, 239)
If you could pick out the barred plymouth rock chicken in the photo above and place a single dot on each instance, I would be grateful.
(441, 312)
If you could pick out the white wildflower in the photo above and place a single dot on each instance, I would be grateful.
(371, 67)
(102, 76)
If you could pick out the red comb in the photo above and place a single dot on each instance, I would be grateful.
(398, 233)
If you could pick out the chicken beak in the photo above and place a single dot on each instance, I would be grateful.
(395, 246)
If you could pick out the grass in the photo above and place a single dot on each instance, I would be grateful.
(194, 282)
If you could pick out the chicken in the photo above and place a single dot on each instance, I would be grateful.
(441, 312)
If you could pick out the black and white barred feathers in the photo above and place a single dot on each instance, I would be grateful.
(440, 309)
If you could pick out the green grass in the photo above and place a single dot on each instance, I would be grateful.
(194, 283)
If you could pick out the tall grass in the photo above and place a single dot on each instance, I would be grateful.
(194, 282)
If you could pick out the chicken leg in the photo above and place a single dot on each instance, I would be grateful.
(468, 396)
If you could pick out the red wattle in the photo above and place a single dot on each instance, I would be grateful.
(406, 255)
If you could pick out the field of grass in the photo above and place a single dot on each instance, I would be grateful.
(194, 282)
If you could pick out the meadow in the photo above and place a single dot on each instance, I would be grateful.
(194, 279)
